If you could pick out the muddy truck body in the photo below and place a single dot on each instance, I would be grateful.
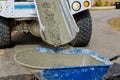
(57, 22)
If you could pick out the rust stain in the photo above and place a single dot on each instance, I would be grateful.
(2, 52)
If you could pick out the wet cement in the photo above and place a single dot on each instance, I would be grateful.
(51, 17)
(34, 58)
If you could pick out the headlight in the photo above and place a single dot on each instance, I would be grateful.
(0, 7)
(76, 5)
(86, 3)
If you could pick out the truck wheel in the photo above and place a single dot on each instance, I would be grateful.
(5, 36)
(84, 22)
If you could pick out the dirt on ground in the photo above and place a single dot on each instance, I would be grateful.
(2, 52)
(115, 23)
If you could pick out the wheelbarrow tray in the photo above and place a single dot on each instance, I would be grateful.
(86, 70)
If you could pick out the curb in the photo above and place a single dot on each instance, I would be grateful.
(102, 8)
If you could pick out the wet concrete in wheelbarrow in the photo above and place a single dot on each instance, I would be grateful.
(36, 59)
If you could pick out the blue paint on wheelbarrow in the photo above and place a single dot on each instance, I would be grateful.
(89, 72)
(74, 73)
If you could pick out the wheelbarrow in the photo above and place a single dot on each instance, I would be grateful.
(64, 64)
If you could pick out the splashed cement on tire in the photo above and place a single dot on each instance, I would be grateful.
(34, 58)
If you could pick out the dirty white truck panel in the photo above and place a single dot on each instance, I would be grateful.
(26, 8)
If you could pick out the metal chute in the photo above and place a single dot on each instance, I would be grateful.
(57, 25)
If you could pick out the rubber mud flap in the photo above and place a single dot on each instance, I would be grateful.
(54, 26)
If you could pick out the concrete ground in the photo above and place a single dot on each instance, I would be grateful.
(105, 41)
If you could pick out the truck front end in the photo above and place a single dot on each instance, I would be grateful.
(26, 8)
(75, 19)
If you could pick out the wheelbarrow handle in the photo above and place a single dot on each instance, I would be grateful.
(115, 57)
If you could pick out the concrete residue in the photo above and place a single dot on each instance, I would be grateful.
(52, 19)
(37, 59)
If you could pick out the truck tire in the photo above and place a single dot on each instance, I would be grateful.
(5, 33)
(84, 22)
